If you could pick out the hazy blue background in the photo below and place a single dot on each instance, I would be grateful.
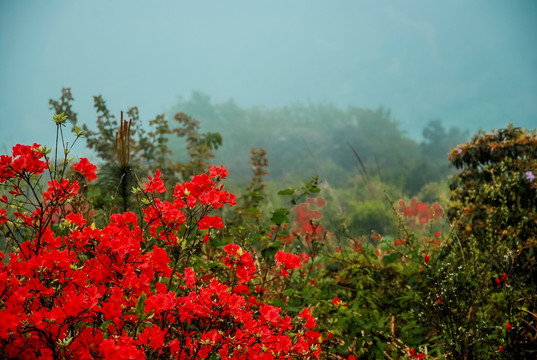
(471, 64)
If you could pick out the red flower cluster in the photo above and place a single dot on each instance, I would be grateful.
(86, 169)
(420, 212)
(289, 261)
(94, 293)
(412, 353)
(155, 184)
(241, 261)
(499, 281)
(61, 191)
(203, 190)
(306, 219)
(337, 302)
(208, 222)
(25, 159)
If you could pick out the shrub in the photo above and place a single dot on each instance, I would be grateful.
(141, 286)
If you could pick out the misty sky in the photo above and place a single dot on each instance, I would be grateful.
(471, 64)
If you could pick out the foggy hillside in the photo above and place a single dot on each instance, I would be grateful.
(471, 65)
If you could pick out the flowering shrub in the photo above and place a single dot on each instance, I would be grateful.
(135, 287)
(493, 211)
(176, 277)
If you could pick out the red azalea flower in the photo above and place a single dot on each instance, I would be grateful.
(218, 172)
(86, 168)
(290, 261)
(155, 184)
(310, 320)
(161, 261)
(336, 301)
(3, 216)
(61, 191)
(419, 356)
(76, 219)
(26, 158)
(210, 222)
(190, 278)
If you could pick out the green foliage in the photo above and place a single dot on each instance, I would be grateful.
(434, 191)
(493, 188)
(199, 146)
(346, 148)
(103, 141)
(446, 293)
(131, 150)
(493, 210)
(254, 191)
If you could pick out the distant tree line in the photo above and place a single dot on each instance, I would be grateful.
(304, 140)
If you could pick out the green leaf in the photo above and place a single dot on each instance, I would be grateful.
(279, 217)
(140, 305)
(288, 292)
(59, 119)
(286, 192)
